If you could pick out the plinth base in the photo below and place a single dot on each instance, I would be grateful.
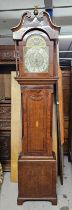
(20, 201)
(36, 179)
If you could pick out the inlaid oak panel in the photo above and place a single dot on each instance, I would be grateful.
(37, 121)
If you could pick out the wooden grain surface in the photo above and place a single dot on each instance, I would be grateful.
(60, 108)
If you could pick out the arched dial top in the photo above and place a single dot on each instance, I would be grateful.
(36, 54)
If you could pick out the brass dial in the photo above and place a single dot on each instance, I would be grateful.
(36, 55)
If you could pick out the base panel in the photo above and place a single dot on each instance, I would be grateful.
(36, 179)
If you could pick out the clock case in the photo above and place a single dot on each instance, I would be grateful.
(37, 165)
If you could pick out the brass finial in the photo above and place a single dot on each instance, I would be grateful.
(36, 10)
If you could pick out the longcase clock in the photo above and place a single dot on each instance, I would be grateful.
(36, 71)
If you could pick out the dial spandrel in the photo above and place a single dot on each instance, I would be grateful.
(36, 55)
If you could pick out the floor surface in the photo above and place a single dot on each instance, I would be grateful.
(8, 194)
